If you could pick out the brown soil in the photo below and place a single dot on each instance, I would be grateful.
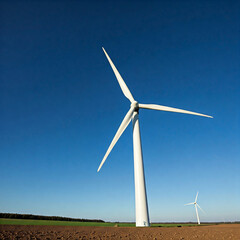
(216, 232)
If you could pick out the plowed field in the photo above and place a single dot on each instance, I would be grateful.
(216, 232)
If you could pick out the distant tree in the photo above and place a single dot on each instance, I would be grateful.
(39, 217)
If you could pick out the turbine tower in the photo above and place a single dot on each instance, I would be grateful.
(196, 206)
(141, 206)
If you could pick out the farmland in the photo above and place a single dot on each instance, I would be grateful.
(74, 230)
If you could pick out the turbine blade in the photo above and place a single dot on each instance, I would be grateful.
(120, 130)
(196, 197)
(201, 209)
(170, 109)
(189, 204)
(122, 84)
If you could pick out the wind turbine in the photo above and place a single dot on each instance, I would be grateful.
(196, 206)
(141, 206)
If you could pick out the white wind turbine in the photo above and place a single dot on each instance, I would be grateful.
(196, 206)
(141, 206)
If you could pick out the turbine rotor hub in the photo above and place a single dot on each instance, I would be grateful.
(135, 105)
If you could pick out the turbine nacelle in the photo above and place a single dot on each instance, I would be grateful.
(135, 106)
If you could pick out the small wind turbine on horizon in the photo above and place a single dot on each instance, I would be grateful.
(141, 206)
(196, 206)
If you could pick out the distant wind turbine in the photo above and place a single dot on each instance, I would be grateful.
(196, 206)
(141, 206)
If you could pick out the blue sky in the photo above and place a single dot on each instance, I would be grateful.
(61, 105)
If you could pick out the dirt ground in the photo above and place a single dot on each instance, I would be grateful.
(216, 232)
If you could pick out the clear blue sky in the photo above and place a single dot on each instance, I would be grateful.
(61, 105)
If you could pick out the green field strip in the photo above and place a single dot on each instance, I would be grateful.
(9, 221)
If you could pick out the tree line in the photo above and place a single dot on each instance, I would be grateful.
(39, 217)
